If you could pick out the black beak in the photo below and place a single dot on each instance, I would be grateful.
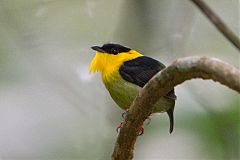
(97, 48)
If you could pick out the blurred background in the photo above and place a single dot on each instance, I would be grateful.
(51, 108)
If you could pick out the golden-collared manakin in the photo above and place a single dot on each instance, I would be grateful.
(125, 71)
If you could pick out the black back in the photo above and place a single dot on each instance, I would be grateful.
(140, 70)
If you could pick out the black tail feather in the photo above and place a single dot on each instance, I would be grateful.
(171, 118)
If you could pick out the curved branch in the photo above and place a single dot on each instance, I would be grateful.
(181, 70)
(219, 24)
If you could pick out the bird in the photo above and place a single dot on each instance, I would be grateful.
(124, 71)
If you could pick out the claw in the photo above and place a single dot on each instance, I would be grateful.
(119, 127)
(148, 121)
(141, 131)
(124, 114)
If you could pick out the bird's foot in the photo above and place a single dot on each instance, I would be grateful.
(124, 114)
(141, 131)
(119, 127)
(147, 121)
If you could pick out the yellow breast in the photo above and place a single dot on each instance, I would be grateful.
(109, 64)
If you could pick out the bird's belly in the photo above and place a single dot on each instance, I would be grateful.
(123, 93)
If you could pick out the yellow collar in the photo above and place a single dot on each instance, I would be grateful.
(109, 64)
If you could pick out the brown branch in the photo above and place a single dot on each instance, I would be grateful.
(181, 70)
(219, 24)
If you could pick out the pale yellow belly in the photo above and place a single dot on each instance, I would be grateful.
(123, 93)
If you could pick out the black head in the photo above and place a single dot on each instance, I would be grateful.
(111, 48)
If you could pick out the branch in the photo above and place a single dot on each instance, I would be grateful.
(223, 28)
(181, 70)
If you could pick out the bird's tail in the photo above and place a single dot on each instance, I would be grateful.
(171, 118)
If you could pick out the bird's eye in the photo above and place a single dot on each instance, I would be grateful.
(114, 51)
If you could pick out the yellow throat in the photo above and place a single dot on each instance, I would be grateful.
(109, 64)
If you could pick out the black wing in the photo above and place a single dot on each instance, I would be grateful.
(140, 70)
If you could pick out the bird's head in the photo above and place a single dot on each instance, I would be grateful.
(111, 48)
(110, 57)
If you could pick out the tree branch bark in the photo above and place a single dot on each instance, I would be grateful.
(219, 24)
(181, 70)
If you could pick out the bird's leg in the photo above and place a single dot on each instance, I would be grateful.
(147, 121)
(141, 131)
(124, 114)
(119, 127)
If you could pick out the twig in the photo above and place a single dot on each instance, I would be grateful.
(219, 24)
(181, 70)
